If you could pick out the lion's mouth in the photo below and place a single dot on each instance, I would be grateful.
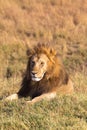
(35, 78)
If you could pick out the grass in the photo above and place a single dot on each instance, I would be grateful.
(64, 25)
(67, 113)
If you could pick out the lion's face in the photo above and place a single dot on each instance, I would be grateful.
(38, 66)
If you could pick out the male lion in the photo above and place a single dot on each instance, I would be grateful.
(45, 76)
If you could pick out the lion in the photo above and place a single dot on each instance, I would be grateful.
(45, 76)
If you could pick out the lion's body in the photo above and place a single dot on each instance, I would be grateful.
(45, 74)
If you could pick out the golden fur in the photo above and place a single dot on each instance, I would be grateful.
(55, 79)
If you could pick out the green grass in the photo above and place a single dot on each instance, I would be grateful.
(61, 23)
(62, 113)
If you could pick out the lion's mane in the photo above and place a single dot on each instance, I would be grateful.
(55, 77)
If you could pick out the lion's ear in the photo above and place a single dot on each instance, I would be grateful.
(53, 52)
(29, 52)
(52, 55)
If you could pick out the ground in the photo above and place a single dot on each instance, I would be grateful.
(64, 25)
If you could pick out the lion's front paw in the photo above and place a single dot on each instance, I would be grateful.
(12, 97)
(30, 102)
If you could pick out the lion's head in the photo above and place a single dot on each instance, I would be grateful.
(38, 66)
(41, 61)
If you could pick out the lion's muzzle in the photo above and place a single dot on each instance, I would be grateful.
(36, 77)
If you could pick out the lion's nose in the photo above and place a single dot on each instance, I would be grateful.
(33, 73)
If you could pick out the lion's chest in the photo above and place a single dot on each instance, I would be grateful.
(35, 89)
(38, 88)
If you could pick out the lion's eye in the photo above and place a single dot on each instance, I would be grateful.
(42, 63)
(33, 63)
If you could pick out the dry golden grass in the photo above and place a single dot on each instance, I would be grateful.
(42, 20)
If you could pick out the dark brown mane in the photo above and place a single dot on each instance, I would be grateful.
(55, 77)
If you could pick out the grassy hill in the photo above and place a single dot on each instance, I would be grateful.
(62, 23)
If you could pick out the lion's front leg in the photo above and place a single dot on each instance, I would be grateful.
(12, 97)
(47, 96)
